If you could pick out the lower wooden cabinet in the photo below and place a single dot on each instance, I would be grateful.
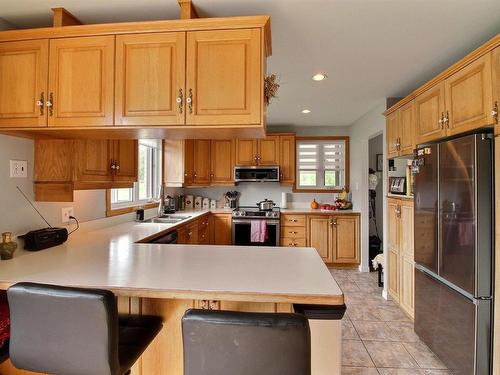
(62, 166)
(188, 234)
(400, 262)
(220, 229)
(336, 238)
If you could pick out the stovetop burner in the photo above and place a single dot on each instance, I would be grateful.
(256, 213)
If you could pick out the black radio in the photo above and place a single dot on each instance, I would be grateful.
(44, 238)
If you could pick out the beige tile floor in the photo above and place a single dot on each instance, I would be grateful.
(377, 336)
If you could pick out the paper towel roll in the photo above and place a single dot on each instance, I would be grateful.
(284, 202)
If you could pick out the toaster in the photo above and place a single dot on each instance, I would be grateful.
(397, 185)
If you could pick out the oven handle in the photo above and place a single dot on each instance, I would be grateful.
(248, 221)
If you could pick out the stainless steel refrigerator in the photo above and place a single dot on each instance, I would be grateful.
(454, 228)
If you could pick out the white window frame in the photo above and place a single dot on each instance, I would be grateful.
(154, 147)
(320, 166)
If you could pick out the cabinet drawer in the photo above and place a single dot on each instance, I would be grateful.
(293, 242)
(293, 220)
(293, 232)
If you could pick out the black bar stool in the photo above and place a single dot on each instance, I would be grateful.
(74, 331)
(4, 352)
(229, 343)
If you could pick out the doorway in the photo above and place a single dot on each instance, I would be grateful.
(375, 196)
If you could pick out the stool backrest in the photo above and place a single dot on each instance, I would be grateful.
(61, 330)
(228, 343)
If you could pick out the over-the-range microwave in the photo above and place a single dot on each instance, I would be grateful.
(257, 173)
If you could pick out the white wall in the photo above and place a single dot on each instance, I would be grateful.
(17, 215)
(368, 126)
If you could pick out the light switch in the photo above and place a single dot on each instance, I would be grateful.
(19, 168)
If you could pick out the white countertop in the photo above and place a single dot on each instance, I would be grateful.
(109, 258)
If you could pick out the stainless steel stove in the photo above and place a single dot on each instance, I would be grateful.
(255, 213)
(242, 218)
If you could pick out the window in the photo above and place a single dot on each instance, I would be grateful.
(322, 164)
(146, 189)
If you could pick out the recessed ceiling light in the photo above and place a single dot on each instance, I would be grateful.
(306, 111)
(319, 77)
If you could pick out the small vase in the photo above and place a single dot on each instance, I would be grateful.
(7, 247)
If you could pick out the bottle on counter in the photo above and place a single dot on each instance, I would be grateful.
(7, 247)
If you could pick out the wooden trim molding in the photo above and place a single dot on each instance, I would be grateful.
(188, 11)
(124, 210)
(61, 17)
(347, 164)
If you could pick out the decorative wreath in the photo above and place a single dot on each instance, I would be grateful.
(271, 87)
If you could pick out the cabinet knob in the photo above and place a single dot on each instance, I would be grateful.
(179, 100)
(189, 101)
(50, 104)
(494, 112)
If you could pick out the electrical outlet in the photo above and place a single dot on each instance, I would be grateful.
(19, 168)
(66, 212)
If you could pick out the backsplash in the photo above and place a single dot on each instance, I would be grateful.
(254, 192)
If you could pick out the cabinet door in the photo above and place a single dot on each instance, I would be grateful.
(246, 151)
(495, 65)
(406, 229)
(407, 281)
(94, 159)
(392, 134)
(222, 162)
(269, 150)
(220, 229)
(201, 162)
(319, 235)
(429, 107)
(23, 82)
(393, 225)
(393, 274)
(224, 77)
(346, 237)
(125, 153)
(81, 81)
(287, 159)
(150, 74)
(468, 95)
(406, 129)
(173, 164)
(188, 162)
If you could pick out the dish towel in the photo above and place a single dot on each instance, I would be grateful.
(258, 231)
(4, 319)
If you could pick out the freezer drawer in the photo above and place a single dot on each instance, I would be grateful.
(456, 328)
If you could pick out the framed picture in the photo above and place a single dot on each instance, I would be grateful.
(380, 162)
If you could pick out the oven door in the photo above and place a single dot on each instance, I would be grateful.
(241, 233)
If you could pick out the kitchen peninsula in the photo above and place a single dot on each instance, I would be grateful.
(167, 280)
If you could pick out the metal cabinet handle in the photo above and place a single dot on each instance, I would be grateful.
(179, 100)
(117, 167)
(41, 103)
(189, 101)
(441, 120)
(292, 244)
(50, 104)
(293, 232)
(447, 119)
(293, 220)
(189, 234)
(494, 112)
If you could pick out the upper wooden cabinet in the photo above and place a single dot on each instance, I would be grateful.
(264, 151)
(495, 62)
(287, 159)
(468, 97)
(62, 166)
(221, 162)
(461, 99)
(400, 135)
(224, 77)
(184, 77)
(150, 75)
(246, 151)
(81, 81)
(23, 83)
(429, 114)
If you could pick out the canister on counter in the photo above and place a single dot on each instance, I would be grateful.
(198, 203)
(189, 202)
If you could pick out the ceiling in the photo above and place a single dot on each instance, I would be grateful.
(370, 49)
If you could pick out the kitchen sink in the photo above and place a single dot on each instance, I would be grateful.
(167, 219)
